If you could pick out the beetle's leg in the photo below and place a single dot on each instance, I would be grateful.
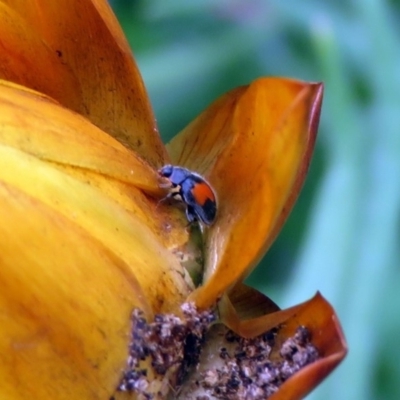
(166, 185)
(172, 195)
(191, 215)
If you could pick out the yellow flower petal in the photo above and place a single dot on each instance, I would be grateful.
(75, 52)
(254, 146)
(63, 137)
(82, 246)
(116, 215)
(65, 302)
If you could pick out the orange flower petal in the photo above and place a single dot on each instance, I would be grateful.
(75, 52)
(316, 315)
(254, 145)
(327, 335)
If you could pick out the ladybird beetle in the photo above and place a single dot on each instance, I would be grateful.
(193, 190)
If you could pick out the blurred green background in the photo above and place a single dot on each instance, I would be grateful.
(343, 235)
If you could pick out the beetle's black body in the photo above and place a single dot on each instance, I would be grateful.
(194, 191)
